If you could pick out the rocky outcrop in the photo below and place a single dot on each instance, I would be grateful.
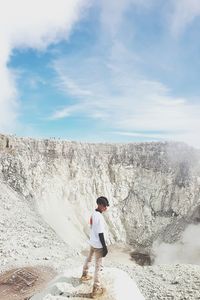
(153, 188)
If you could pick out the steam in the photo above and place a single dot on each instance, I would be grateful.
(185, 251)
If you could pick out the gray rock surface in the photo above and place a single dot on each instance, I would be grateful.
(153, 187)
(48, 190)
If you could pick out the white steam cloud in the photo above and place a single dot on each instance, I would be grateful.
(186, 251)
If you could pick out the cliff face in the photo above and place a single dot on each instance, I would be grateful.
(153, 188)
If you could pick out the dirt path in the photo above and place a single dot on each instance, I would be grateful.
(22, 283)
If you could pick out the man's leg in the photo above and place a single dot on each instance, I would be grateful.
(87, 264)
(98, 267)
(97, 289)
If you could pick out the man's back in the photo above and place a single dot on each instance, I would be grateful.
(97, 226)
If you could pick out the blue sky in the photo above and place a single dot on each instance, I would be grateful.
(102, 71)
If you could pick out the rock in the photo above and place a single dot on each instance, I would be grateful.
(117, 283)
(152, 186)
(48, 189)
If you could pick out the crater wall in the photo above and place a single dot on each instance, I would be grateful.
(153, 188)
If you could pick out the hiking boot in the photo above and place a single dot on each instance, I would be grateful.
(97, 292)
(86, 277)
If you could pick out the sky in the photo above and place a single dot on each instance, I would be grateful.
(101, 71)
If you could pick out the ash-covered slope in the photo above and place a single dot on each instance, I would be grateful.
(153, 188)
(24, 237)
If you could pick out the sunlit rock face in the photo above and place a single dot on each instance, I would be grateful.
(153, 188)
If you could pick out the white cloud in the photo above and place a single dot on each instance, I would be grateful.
(68, 85)
(33, 24)
(183, 14)
(112, 13)
(151, 136)
(126, 101)
(8, 97)
(108, 86)
(66, 112)
(36, 24)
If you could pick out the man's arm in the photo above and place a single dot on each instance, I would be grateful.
(105, 250)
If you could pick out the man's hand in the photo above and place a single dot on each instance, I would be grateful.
(105, 251)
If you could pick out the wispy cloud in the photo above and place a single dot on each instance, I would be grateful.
(68, 85)
(29, 24)
(66, 112)
(127, 101)
(108, 83)
(110, 86)
(112, 14)
(149, 135)
(183, 13)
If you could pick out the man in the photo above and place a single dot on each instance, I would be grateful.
(97, 246)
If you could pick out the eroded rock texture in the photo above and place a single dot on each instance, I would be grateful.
(153, 188)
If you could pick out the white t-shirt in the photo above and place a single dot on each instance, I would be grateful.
(97, 226)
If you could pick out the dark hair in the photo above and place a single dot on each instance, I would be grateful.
(103, 200)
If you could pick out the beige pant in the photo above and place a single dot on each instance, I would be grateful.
(98, 252)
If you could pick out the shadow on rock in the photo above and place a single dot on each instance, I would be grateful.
(142, 259)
